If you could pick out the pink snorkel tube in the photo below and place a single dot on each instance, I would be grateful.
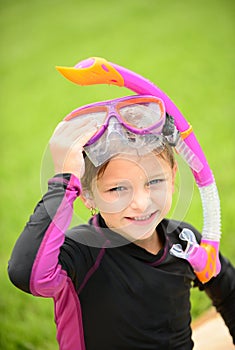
(204, 257)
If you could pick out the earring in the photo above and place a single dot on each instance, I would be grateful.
(93, 211)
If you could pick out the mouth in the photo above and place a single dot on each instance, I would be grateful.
(142, 219)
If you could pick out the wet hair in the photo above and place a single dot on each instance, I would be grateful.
(91, 171)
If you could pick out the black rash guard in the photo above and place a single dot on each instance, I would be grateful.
(110, 293)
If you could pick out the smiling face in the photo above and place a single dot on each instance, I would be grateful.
(134, 194)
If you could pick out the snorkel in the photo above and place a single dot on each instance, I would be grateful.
(204, 258)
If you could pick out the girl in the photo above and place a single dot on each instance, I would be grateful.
(114, 282)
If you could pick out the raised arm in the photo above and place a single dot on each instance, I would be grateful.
(34, 266)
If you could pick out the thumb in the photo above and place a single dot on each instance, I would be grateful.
(87, 135)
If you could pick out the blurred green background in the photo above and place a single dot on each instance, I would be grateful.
(185, 47)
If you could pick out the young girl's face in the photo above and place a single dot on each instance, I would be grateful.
(134, 194)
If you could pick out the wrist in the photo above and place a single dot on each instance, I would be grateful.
(68, 181)
(76, 169)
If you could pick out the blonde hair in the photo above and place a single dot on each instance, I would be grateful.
(91, 171)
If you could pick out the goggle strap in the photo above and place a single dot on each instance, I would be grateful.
(170, 131)
(169, 126)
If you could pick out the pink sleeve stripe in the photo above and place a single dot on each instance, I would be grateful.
(47, 277)
(68, 318)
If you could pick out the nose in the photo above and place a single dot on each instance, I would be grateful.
(141, 200)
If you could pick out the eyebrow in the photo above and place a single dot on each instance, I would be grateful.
(162, 174)
(123, 181)
(115, 182)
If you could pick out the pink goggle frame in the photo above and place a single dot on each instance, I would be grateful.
(140, 114)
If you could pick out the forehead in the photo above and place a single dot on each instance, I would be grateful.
(129, 165)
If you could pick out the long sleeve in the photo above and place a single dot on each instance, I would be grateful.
(33, 266)
(221, 290)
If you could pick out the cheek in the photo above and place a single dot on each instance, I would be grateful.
(162, 196)
(112, 202)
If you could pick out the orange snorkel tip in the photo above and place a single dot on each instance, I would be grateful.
(94, 70)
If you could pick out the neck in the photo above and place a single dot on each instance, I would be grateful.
(151, 244)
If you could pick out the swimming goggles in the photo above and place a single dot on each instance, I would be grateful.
(125, 125)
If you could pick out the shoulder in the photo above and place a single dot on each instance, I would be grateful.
(86, 236)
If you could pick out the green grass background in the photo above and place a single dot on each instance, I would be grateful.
(185, 47)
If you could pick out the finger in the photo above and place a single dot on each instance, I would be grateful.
(78, 130)
(82, 122)
(72, 130)
(82, 140)
(77, 140)
(58, 128)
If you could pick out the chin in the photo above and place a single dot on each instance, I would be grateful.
(139, 236)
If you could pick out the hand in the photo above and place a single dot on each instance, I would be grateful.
(66, 145)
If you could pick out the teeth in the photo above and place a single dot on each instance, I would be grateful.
(142, 218)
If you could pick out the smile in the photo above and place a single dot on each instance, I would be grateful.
(142, 218)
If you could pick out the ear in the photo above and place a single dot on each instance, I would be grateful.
(87, 199)
(174, 172)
